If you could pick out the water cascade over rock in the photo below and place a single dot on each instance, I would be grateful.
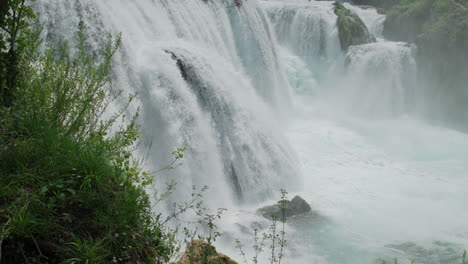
(264, 95)
(351, 29)
(207, 76)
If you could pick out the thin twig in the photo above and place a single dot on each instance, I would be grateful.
(2, 237)
(37, 246)
(24, 256)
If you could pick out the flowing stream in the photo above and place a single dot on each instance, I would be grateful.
(263, 98)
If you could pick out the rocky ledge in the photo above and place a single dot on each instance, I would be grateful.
(351, 29)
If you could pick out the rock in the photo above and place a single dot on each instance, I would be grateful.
(294, 207)
(351, 29)
(180, 64)
(200, 252)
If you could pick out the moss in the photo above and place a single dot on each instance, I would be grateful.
(378, 3)
(351, 29)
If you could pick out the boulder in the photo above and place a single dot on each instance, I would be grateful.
(296, 206)
(200, 252)
(351, 29)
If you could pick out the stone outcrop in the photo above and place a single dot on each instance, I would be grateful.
(200, 252)
(296, 206)
(351, 29)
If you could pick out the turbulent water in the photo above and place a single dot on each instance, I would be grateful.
(263, 98)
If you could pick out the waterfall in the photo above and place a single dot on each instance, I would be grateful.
(379, 81)
(308, 29)
(376, 79)
(263, 97)
(372, 19)
(225, 105)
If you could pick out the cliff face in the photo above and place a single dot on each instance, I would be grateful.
(440, 30)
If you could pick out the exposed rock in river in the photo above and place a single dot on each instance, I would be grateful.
(351, 29)
(296, 206)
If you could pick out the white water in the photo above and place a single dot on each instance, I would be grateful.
(225, 117)
(273, 102)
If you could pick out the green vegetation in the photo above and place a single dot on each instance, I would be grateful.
(351, 29)
(422, 19)
(377, 3)
(70, 191)
(440, 30)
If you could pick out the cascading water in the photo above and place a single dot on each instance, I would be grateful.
(379, 80)
(388, 188)
(223, 112)
(261, 93)
(309, 30)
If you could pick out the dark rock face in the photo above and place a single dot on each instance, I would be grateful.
(296, 206)
(351, 29)
(180, 64)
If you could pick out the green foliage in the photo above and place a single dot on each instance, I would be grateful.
(377, 3)
(15, 17)
(87, 250)
(431, 24)
(440, 31)
(15, 36)
(69, 187)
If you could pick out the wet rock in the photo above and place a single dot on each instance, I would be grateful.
(351, 29)
(296, 206)
(200, 252)
(180, 64)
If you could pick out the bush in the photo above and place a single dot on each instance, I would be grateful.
(70, 191)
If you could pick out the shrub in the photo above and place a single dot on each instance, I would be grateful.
(70, 191)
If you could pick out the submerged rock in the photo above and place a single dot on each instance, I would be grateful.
(199, 252)
(296, 206)
(351, 29)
